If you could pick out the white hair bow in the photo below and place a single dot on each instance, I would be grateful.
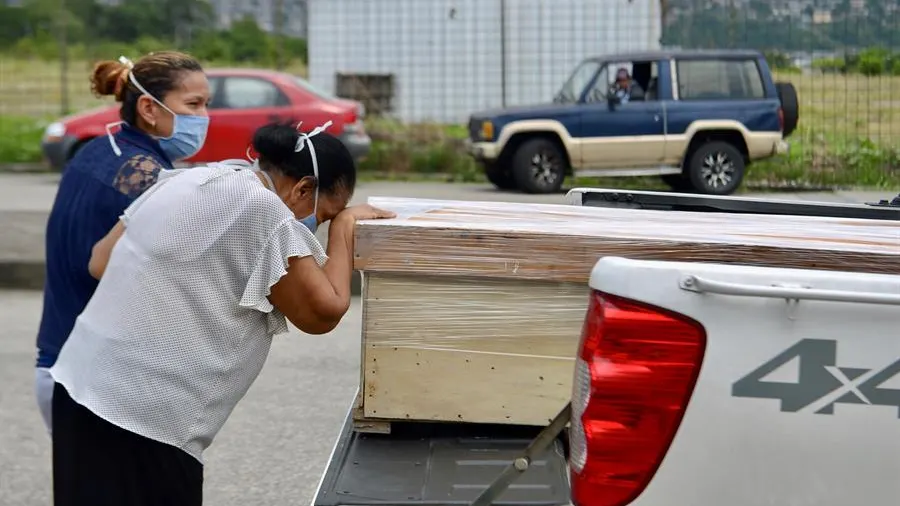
(304, 137)
(125, 61)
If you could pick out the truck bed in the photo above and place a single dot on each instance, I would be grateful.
(438, 464)
(739, 445)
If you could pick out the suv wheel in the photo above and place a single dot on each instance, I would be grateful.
(716, 168)
(539, 166)
(499, 176)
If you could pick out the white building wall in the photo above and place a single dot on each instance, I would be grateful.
(547, 38)
(446, 55)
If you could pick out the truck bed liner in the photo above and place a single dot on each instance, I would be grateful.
(439, 464)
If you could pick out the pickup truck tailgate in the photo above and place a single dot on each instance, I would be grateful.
(797, 401)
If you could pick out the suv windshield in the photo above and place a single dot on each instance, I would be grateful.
(577, 81)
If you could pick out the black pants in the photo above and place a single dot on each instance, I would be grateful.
(96, 463)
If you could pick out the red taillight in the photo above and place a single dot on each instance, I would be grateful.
(781, 119)
(353, 123)
(634, 375)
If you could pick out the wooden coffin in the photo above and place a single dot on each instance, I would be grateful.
(472, 311)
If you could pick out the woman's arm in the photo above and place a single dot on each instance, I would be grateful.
(315, 299)
(101, 251)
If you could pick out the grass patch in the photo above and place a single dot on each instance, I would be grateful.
(841, 109)
(34, 86)
(20, 139)
(835, 164)
(847, 134)
(399, 150)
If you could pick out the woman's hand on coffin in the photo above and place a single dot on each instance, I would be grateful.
(365, 212)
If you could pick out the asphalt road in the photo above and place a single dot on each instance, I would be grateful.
(271, 451)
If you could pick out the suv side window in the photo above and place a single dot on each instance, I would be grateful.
(250, 93)
(719, 79)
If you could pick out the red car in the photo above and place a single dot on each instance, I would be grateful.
(242, 101)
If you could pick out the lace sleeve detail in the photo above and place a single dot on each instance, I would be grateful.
(290, 239)
(136, 175)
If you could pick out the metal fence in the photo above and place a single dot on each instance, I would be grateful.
(436, 61)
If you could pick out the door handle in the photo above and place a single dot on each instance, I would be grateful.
(656, 117)
(701, 285)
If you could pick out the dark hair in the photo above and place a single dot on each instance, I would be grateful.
(276, 143)
(159, 73)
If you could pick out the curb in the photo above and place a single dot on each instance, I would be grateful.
(789, 188)
(26, 168)
(22, 275)
(26, 275)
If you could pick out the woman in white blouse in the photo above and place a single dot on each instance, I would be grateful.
(196, 278)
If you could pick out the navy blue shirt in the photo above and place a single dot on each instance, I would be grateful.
(96, 186)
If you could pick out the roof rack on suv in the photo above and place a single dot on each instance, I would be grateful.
(604, 197)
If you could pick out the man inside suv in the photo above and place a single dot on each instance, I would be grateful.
(625, 88)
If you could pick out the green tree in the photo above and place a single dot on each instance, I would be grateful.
(778, 60)
(212, 46)
(248, 42)
(704, 24)
(14, 24)
(872, 61)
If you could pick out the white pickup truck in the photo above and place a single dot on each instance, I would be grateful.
(695, 385)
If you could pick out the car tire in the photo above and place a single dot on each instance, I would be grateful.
(499, 176)
(676, 182)
(715, 168)
(539, 166)
(790, 106)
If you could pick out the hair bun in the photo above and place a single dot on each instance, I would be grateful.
(276, 142)
(109, 78)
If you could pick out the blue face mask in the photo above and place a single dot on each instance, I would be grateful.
(188, 136)
(188, 132)
(311, 222)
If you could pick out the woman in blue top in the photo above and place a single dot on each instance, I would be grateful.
(164, 119)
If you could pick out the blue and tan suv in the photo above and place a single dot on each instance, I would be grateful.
(695, 118)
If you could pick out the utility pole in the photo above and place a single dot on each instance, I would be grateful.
(732, 24)
(503, 57)
(278, 27)
(62, 19)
